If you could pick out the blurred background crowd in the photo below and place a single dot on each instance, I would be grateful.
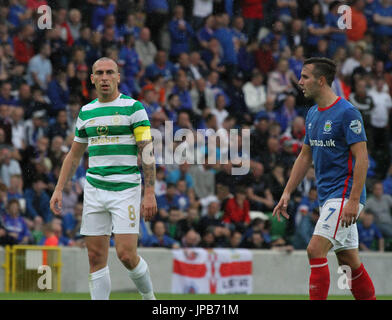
(201, 64)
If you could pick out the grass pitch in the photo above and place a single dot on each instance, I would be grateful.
(164, 296)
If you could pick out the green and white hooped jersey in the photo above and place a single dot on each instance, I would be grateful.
(108, 130)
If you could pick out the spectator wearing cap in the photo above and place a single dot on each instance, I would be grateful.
(37, 202)
(145, 48)
(181, 33)
(255, 93)
(36, 127)
(39, 70)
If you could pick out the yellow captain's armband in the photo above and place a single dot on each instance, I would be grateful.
(142, 133)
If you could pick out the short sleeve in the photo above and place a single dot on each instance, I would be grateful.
(80, 132)
(354, 130)
(139, 116)
(306, 139)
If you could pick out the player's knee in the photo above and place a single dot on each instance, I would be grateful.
(96, 257)
(314, 251)
(127, 258)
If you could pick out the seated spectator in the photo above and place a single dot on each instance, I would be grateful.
(160, 183)
(23, 44)
(37, 202)
(5, 238)
(53, 235)
(159, 238)
(130, 26)
(9, 166)
(14, 224)
(235, 239)
(191, 239)
(60, 126)
(18, 128)
(370, 237)
(72, 222)
(161, 66)
(305, 228)
(381, 204)
(236, 214)
(6, 97)
(166, 201)
(190, 221)
(256, 241)
(172, 226)
(208, 239)
(287, 113)
(255, 93)
(279, 83)
(58, 92)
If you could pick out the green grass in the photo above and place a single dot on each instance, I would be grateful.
(163, 296)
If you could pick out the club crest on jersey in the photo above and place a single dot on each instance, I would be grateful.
(328, 126)
(356, 126)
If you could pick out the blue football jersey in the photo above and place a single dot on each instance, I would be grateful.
(329, 133)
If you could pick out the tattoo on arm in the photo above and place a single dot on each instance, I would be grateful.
(146, 151)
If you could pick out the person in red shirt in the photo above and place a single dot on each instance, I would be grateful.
(237, 210)
(23, 45)
(358, 21)
(253, 13)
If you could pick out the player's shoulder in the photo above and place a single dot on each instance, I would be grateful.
(128, 101)
(347, 108)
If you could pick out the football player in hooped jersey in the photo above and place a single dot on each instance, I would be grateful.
(335, 141)
(115, 128)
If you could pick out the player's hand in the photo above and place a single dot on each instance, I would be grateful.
(349, 213)
(56, 202)
(148, 207)
(281, 207)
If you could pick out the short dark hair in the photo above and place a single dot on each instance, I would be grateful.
(323, 67)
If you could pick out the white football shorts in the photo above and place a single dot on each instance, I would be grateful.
(106, 212)
(329, 226)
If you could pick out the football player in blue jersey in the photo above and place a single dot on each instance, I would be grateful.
(335, 142)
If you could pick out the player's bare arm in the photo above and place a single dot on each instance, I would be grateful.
(149, 205)
(301, 166)
(68, 169)
(350, 210)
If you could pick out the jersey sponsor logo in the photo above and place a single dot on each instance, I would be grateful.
(327, 127)
(326, 226)
(322, 143)
(104, 140)
(356, 126)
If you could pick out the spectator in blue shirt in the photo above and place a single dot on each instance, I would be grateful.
(370, 236)
(132, 67)
(159, 238)
(166, 201)
(316, 28)
(226, 39)
(382, 18)
(101, 11)
(337, 36)
(19, 14)
(161, 66)
(58, 92)
(37, 202)
(182, 197)
(206, 33)
(305, 229)
(5, 95)
(296, 61)
(14, 224)
(181, 33)
(73, 221)
(182, 90)
(130, 27)
(182, 173)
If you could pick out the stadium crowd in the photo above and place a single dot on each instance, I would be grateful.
(201, 64)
